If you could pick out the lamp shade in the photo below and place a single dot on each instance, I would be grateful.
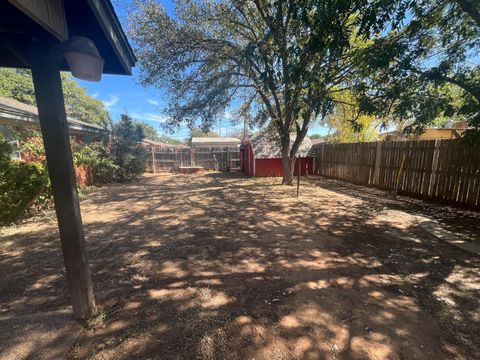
(83, 59)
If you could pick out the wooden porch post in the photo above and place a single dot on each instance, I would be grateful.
(45, 65)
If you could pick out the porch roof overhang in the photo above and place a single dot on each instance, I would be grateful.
(15, 113)
(23, 23)
(33, 34)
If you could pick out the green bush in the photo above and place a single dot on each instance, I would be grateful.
(105, 171)
(96, 155)
(21, 184)
(127, 152)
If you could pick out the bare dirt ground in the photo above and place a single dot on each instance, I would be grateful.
(218, 266)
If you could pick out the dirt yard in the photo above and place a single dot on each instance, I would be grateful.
(218, 266)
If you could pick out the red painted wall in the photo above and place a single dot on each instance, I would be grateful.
(273, 167)
(246, 158)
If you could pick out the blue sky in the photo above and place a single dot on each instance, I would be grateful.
(124, 94)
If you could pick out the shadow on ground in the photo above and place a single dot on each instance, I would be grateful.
(219, 266)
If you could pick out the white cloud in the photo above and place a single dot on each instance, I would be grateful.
(95, 94)
(153, 102)
(149, 117)
(111, 101)
(155, 117)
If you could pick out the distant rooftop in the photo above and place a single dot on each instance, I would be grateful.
(162, 144)
(318, 141)
(215, 141)
(16, 113)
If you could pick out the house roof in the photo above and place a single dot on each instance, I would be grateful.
(16, 113)
(318, 141)
(265, 148)
(58, 20)
(215, 141)
(154, 143)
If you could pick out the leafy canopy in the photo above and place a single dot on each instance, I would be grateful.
(282, 61)
(427, 66)
(149, 131)
(347, 124)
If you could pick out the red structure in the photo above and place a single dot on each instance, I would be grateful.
(260, 157)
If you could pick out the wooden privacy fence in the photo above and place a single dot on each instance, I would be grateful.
(442, 170)
(220, 159)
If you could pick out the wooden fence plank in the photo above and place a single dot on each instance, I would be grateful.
(443, 170)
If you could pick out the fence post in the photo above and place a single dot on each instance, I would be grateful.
(378, 157)
(153, 159)
(433, 177)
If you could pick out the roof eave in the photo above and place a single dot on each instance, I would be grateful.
(108, 20)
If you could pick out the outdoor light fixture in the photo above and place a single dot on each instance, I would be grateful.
(83, 59)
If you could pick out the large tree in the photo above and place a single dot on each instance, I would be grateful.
(347, 124)
(127, 152)
(197, 132)
(149, 131)
(426, 66)
(282, 60)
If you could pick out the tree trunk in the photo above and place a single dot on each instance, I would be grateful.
(288, 164)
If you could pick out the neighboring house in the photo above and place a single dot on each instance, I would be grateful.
(260, 156)
(161, 146)
(17, 114)
(455, 132)
(318, 141)
(209, 143)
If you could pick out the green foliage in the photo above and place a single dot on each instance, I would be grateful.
(79, 105)
(148, 130)
(20, 185)
(168, 139)
(347, 124)
(5, 151)
(127, 152)
(33, 147)
(97, 156)
(197, 132)
(281, 60)
(424, 69)
(105, 170)
(85, 154)
(17, 84)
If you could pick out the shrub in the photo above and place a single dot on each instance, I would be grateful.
(127, 152)
(97, 156)
(5, 151)
(105, 171)
(21, 184)
(32, 149)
